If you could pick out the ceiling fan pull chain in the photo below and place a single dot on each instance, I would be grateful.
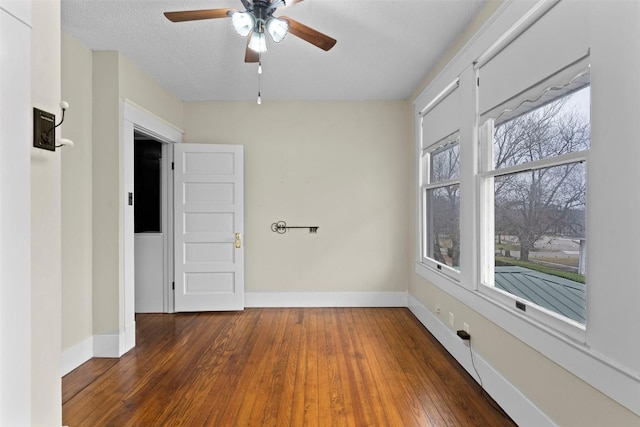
(259, 74)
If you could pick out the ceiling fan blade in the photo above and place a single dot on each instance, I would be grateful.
(310, 35)
(194, 15)
(250, 55)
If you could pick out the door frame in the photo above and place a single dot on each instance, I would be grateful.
(136, 118)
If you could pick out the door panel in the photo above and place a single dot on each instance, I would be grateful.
(209, 212)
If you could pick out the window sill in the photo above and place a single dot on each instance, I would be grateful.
(442, 269)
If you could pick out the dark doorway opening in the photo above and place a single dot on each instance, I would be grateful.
(147, 184)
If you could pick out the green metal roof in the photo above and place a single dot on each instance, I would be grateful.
(557, 294)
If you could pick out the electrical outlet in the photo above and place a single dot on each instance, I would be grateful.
(465, 327)
(437, 308)
(451, 319)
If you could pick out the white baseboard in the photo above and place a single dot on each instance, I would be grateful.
(76, 356)
(102, 345)
(514, 403)
(325, 299)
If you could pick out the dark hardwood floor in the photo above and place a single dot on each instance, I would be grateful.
(279, 367)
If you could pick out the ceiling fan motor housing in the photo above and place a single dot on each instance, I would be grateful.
(261, 10)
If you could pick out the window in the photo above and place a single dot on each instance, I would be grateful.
(534, 186)
(442, 203)
(440, 182)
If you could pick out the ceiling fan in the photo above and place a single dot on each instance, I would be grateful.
(256, 20)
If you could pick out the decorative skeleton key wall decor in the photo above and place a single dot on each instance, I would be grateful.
(281, 227)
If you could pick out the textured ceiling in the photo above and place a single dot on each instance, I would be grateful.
(385, 47)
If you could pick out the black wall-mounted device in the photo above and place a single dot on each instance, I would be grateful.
(463, 335)
(44, 135)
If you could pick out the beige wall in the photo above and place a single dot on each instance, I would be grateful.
(95, 83)
(137, 86)
(77, 312)
(342, 166)
(45, 223)
(106, 193)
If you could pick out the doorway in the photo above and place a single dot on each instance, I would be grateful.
(138, 120)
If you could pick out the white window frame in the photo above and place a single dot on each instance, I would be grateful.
(447, 142)
(424, 174)
(486, 176)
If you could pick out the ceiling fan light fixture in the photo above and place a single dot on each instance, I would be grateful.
(258, 42)
(277, 28)
(243, 23)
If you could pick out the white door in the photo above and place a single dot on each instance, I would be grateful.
(209, 226)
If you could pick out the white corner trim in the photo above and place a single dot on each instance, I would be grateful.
(75, 356)
(105, 345)
(325, 299)
(109, 345)
(129, 336)
(514, 403)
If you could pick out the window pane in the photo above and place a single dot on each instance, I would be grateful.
(445, 163)
(443, 225)
(540, 237)
(558, 127)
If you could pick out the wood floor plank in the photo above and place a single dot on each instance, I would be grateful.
(308, 391)
(279, 367)
(417, 373)
(330, 380)
(78, 379)
(213, 405)
(399, 403)
(252, 394)
(363, 394)
(401, 372)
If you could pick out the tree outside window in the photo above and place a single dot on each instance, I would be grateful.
(540, 202)
(443, 205)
